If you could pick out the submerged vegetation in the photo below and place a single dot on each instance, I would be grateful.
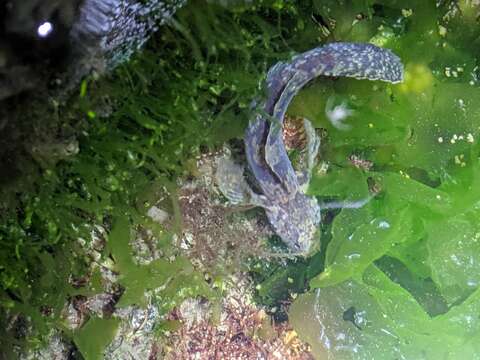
(397, 277)
(137, 132)
(400, 275)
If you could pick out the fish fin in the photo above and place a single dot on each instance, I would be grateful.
(346, 204)
(291, 89)
(277, 159)
(232, 184)
(313, 145)
(275, 153)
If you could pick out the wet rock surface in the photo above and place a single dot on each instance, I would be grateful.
(242, 331)
(214, 232)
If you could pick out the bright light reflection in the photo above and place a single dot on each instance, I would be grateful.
(45, 29)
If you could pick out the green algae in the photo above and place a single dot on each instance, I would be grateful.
(175, 276)
(396, 278)
(400, 273)
(419, 140)
(384, 321)
(140, 126)
(95, 336)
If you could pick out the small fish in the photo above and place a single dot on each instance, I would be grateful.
(294, 216)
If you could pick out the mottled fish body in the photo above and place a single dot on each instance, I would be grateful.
(293, 215)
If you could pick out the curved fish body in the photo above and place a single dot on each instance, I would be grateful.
(293, 215)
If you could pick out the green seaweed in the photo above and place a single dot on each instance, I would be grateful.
(95, 336)
(380, 319)
(400, 273)
(170, 274)
(395, 278)
(138, 130)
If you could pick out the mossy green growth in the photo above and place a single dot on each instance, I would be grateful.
(95, 336)
(189, 90)
(400, 274)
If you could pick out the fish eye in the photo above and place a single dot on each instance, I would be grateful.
(45, 29)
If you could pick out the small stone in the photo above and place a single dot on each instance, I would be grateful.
(158, 215)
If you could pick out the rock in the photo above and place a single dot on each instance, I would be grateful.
(158, 215)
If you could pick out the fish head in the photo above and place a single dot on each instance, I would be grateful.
(296, 221)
